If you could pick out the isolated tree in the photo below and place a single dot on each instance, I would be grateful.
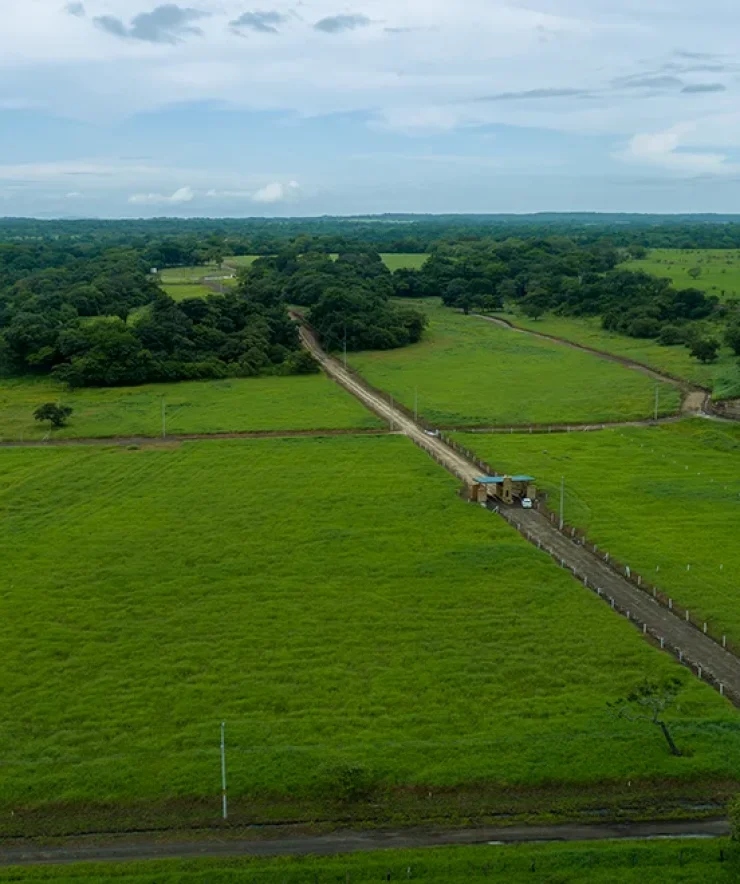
(56, 414)
(694, 272)
(705, 349)
(535, 303)
(649, 702)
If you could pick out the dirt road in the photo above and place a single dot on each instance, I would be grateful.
(348, 842)
(695, 398)
(706, 658)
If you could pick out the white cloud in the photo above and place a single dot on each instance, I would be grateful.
(180, 196)
(277, 192)
(670, 150)
(74, 195)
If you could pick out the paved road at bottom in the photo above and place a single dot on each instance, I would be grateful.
(351, 842)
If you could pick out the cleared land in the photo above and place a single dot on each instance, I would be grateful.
(472, 372)
(393, 261)
(364, 633)
(665, 500)
(720, 269)
(187, 275)
(723, 377)
(179, 292)
(640, 862)
(221, 406)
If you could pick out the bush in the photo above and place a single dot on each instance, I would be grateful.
(670, 335)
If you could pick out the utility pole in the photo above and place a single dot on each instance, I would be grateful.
(562, 502)
(657, 400)
(416, 404)
(223, 770)
(164, 418)
(345, 348)
(392, 421)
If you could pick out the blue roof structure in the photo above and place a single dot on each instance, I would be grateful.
(498, 480)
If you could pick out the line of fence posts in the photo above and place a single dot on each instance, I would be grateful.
(635, 578)
(570, 531)
(701, 671)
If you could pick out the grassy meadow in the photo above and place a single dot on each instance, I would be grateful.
(635, 862)
(187, 275)
(658, 499)
(181, 291)
(392, 261)
(219, 406)
(720, 269)
(365, 634)
(469, 371)
(723, 377)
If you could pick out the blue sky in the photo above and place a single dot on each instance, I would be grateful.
(130, 108)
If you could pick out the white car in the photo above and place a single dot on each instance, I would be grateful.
(526, 503)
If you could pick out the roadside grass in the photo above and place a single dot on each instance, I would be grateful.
(723, 377)
(365, 634)
(642, 862)
(664, 500)
(181, 291)
(221, 406)
(720, 269)
(471, 372)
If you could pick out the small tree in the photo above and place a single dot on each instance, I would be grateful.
(57, 415)
(705, 349)
(732, 337)
(649, 702)
(695, 272)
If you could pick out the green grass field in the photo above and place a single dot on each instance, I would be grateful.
(723, 377)
(361, 630)
(720, 269)
(181, 291)
(657, 498)
(220, 406)
(187, 275)
(471, 372)
(392, 261)
(637, 862)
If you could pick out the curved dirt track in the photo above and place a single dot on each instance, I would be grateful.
(695, 398)
(705, 657)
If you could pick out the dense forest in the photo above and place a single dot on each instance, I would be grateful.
(80, 300)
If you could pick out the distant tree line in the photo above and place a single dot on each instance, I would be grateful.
(556, 274)
(105, 321)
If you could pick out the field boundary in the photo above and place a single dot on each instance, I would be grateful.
(688, 388)
(186, 437)
(344, 841)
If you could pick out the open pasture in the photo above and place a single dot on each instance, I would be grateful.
(393, 261)
(181, 291)
(722, 377)
(663, 500)
(471, 372)
(719, 269)
(631, 862)
(187, 275)
(309, 402)
(362, 631)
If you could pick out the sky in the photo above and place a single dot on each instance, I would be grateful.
(130, 108)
